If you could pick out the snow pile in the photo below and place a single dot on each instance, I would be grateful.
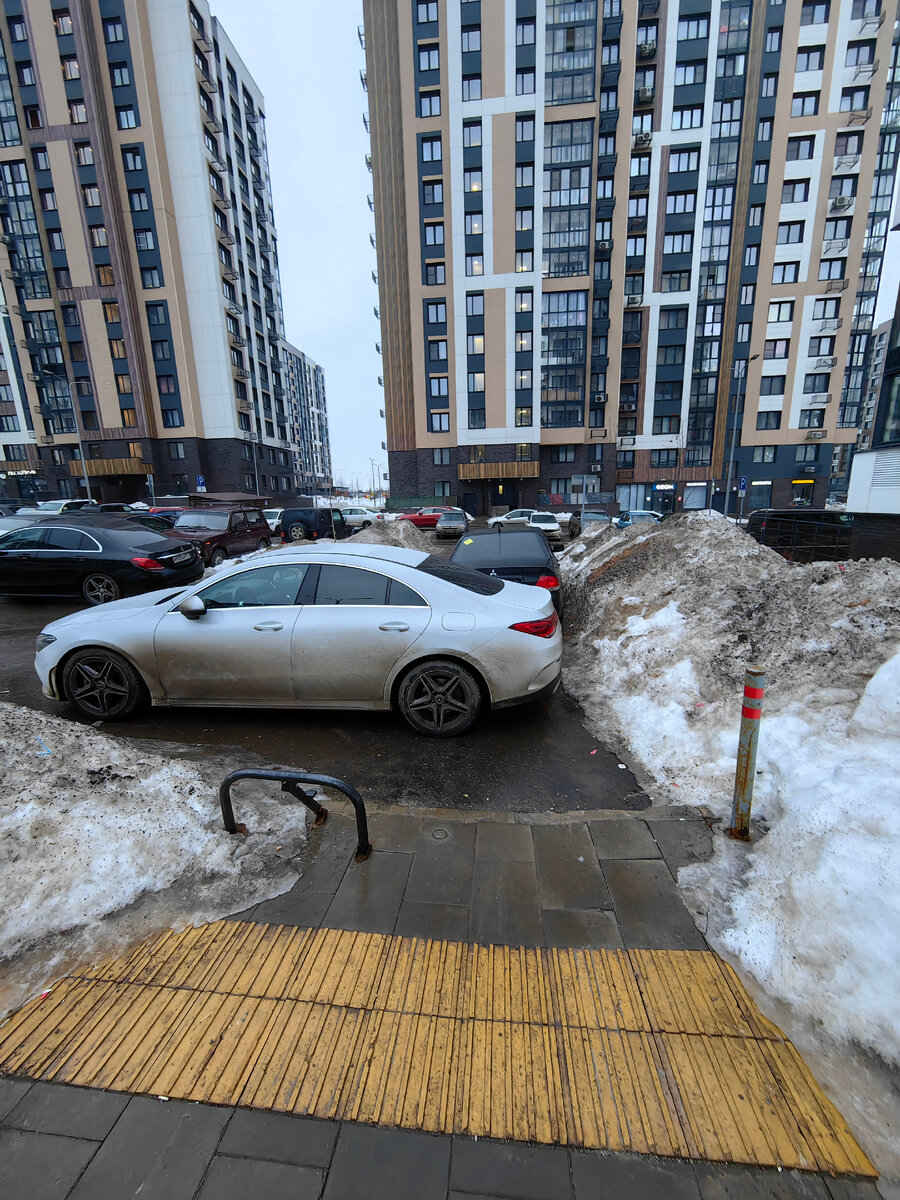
(665, 620)
(98, 822)
(395, 533)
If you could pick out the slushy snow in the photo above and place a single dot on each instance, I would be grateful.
(663, 621)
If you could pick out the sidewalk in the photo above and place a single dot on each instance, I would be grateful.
(605, 885)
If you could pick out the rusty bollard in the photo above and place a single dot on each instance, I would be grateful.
(751, 711)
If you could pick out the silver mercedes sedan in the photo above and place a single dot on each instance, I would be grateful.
(334, 625)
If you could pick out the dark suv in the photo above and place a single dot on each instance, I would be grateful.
(224, 531)
(310, 524)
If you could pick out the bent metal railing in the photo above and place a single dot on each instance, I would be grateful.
(290, 782)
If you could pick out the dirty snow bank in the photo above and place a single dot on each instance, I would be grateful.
(395, 533)
(89, 828)
(664, 622)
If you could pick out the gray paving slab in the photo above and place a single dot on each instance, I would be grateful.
(243, 1178)
(505, 906)
(721, 1182)
(683, 841)
(569, 875)
(327, 855)
(862, 1189)
(649, 907)
(299, 906)
(69, 1111)
(449, 922)
(396, 831)
(387, 1164)
(370, 893)
(632, 1177)
(281, 1138)
(156, 1151)
(443, 867)
(510, 1169)
(11, 1092)
(623, 837)
(506, 843)
(41, 1166)
(596, 928)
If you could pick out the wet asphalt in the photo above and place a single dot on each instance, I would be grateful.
(534, 758)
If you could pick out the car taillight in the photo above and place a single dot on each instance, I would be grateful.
(148, 564)
(547, 581)
(544, 628)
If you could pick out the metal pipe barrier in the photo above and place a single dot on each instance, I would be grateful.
(745, 773)
(290, 782)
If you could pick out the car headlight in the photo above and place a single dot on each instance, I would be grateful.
(43, 640)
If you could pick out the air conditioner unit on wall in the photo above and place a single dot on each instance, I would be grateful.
(596, 468)
(643, 139)
(604, 246)
(840, 202)
(645, 93)
(815, 435)
(646, 49)
(633, 301)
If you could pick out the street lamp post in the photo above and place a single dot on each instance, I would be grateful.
(740, 376)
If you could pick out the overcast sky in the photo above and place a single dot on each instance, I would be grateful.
(306, 58)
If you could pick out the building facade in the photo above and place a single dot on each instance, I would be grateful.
(143, 308)
(875, 471)
(305, 381)
(605, 228)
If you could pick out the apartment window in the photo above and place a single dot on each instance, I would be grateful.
(62, 22)
(476, 381)
(138, 200)
(769, 87)
(816, 383)
(144, 239)
(40, 159)
(99, 236)
(156, 314)
(800, 148)
(609, 100)
(812, 418)
(768, 420)
(683, 160)
(525, 33)
(681, 202)
(806, 454)
(821, 345)
(434, 234)
(435, 273)
(113, 31)
(436, 313)
(692, 28)
(777, 348)
(804, 104)
(523, 380)
(842, 185)
(77, 112)
(772, 385)
(666, 424)
(111, 311)
(151, 277)
(673, 318)
(474, 304)
(70, 315)
(33, 118)
(826, 310)
(524, 300)
(440, 422)
(117, 348)
(814, 12)
(441, 456)
(748, 293)
(68, 65)
(761, 172)
(132, 160)
(431, 149)
(524, 341)
(176, 450)
(123, 384)
(860, 54)
(811, 58)
(471, 38)
(433, 193)
(63, 277)
(669, 356)
(437, 351)
(687, 118)
(48, 199)
(795, 191)
(429, 104)
(781, 310)
(678, 243)
(773, 41)
(471, 87)
(472, 181)
(429, 58)
(475, 343)
(524, 83)
(471, 134)
(119, 74)
(763, 454)
(524, 415)
(832, 268)
(690, 72)
(166, 385)
(126, 117)
(161, 351)
(854, 99)
(663, 458)
(427, 12)
(524, 175)
(525, 129)
(17, 30)
(675, 281)
(790, 232)
(786, 272)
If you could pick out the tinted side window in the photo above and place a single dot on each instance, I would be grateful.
(350, 585)
(253, 589)
(64, 539)
(21, 539)
(401, 594)
(472, 581)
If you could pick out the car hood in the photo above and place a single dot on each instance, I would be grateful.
(191, 535)
(116, 609)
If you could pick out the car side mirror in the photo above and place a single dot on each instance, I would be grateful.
(192, 607)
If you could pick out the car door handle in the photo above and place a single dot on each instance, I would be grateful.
(398, 626)
(273, 625)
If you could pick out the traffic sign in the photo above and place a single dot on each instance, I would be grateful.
(201, 483)
(742, 486)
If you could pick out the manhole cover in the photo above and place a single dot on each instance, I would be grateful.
(440, 834)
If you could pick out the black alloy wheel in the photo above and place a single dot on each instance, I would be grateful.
(99, 588)
(100, 683)
(439, 698)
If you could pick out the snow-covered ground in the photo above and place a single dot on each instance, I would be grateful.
(664, 621)
(99, 824)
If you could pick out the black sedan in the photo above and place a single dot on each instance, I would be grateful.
(520, 555)
(98, 559)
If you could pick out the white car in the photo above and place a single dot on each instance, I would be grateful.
(518, 516)
(360, 518)
(333, 625)
(273, 516)
(547, 524)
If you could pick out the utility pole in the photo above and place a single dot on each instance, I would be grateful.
(740, 375)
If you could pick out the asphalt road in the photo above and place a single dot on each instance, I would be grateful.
(537, 758)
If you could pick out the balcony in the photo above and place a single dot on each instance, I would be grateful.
(817, 400)
(499, 470)
(208, 84)
(229, 273)
(859, 116)
(821, 363)
(110, 466)
(837, 285)
(241, 372)
(237, 342)
(836, 246)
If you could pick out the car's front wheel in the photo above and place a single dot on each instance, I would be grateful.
(217, 557)
(102, 684)
(99, 588)
(439, 698)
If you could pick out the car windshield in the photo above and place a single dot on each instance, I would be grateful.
(524, 549)
(271, 512)
(595, 516)
(202, 520)
(51, 505)
(450, 518)
(541, 519)
(471, 581)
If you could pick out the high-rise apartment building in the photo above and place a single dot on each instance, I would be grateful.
(605, 226)
(305, 381)
(143, 307)
(875, 471)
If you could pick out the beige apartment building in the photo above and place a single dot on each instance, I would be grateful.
(624, 244)
(142, 323)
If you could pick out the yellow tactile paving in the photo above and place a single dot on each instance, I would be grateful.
(658, 1052)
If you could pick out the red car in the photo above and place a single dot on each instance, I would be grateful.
(427, 518)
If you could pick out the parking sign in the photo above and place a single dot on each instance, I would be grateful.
(742, 486)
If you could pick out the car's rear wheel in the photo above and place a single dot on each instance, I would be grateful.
(297, 531)
(366, 524)
(439, 698)
(101, 684)
(99, 588)
(263, 544)
(217, 557)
